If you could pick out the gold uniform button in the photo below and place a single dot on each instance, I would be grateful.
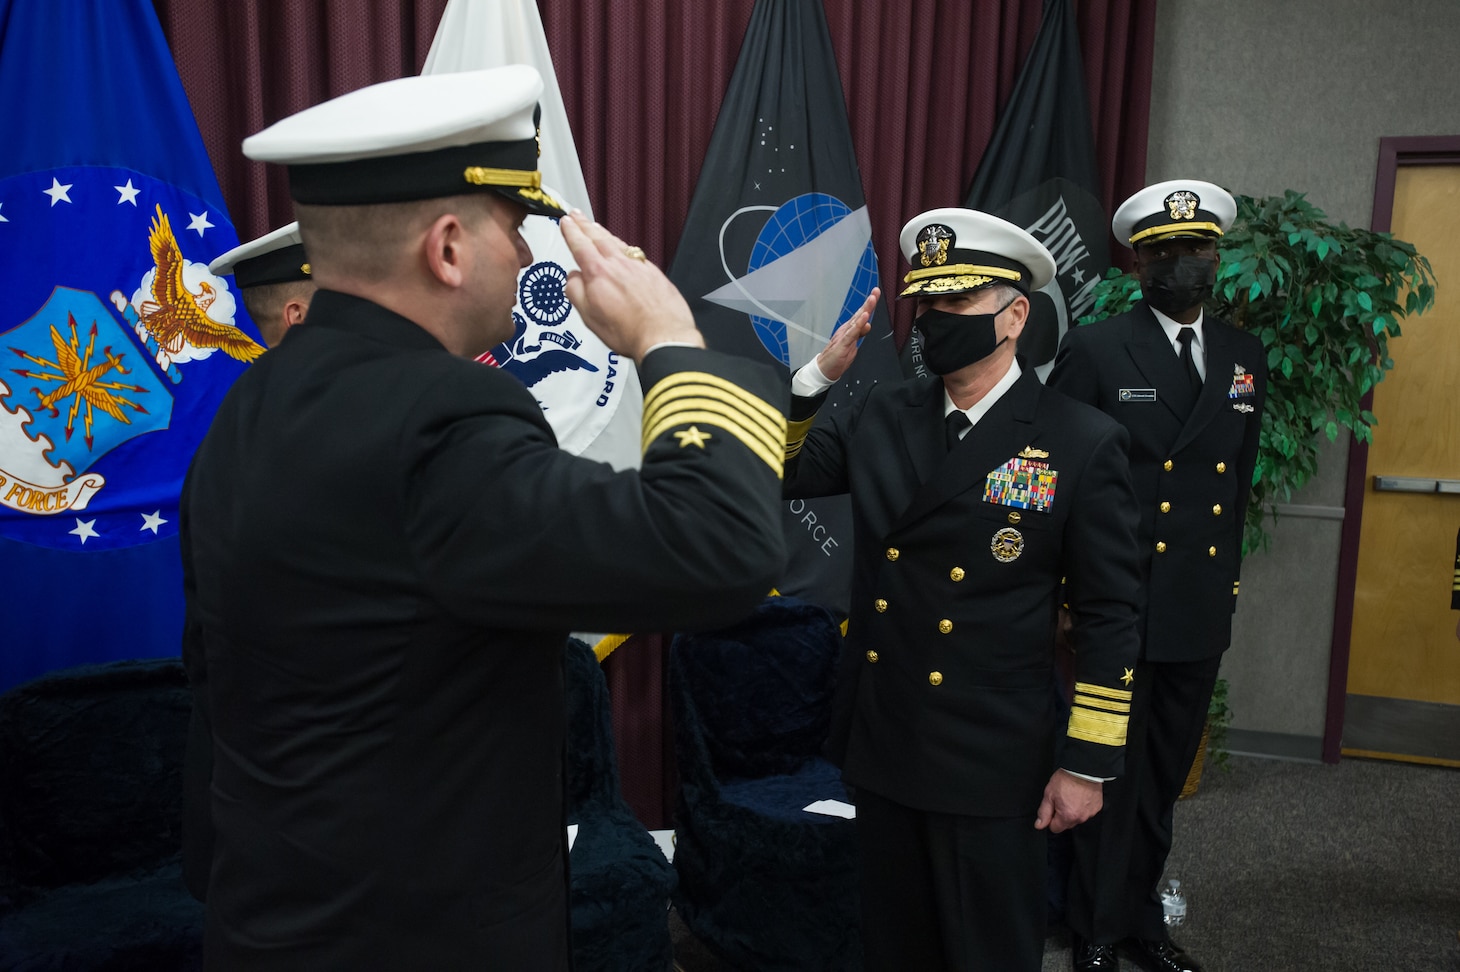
(945, 626)
(1217, 510)
(880, 605)
(1221, 467)
(1014, 516)
(1211, 551)
(1160, 546)
(956, 573)
(1165, 507)
(1167, 465)
(872, 656)
(892, 553)
(935, 678)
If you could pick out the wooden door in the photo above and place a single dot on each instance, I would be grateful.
(1403, 698)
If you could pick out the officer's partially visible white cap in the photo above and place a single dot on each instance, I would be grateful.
(956, 250)
(1181, 207)
(415, 138)
(276, 257)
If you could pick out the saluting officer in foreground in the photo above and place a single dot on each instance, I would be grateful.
(1190, 388)
(385, 549)
(973, 496)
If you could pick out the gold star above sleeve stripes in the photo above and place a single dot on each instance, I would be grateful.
(1100, 714)
(796, 435)
(700, 400)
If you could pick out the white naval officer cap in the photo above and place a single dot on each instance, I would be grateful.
(276, 257)
(415, 138)
(956, 250)
(1180, 207)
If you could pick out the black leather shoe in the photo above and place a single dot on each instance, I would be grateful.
(1159, 955)
(1089, 957)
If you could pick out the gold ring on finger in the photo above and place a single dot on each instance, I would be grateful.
(634, 253)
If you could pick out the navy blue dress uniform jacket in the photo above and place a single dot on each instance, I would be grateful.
(1193, 474)
(944, 700)
(385, 551)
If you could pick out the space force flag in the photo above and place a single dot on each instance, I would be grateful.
(589, 394)
(777, 248)
(1039, 173)
(116, 342)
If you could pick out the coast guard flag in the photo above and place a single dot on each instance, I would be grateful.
(116, 344)
(777, 248)
(589, 395)
(1039, 172)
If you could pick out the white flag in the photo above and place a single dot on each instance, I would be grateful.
(589, 395)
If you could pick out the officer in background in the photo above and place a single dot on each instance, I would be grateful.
(1190, 390)
(973, 495)
(273, 277)
(384, 549)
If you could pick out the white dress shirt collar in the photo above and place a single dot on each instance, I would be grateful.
(980, 408)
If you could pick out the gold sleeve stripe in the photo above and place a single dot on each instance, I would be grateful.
(732, 391)
(1120, 695)
(773, 425)
(726, 421)
(1097, 727)
(715, 414)
(796, 435)
(774, 437)
(1109, 705)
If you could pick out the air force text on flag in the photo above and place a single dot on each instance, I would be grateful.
(117, 343)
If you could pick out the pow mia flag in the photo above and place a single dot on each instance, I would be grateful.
(777, 248)
(1039, 172)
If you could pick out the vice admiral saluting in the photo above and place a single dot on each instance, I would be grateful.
(1189, 388)
(384, 548)
(973, 496)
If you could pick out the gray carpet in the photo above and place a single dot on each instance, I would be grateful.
(1291, 867)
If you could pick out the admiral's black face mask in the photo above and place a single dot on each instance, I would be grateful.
(952, 341)
(1177, 284)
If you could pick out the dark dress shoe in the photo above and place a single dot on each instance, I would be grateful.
(1089, 957)
(1159, 955)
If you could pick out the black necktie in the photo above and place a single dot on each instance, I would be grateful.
(1186, 336)
(954, 423)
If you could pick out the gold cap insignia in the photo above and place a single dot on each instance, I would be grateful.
(933, 243)
(1182, 204)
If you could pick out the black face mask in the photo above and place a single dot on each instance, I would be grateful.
(1177, 284)
(953, 341)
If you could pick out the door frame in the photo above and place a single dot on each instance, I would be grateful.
(1393, 153)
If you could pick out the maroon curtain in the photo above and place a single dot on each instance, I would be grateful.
(643, 81)
(247, 63)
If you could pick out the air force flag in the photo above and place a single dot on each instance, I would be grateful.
(116, 343)
(777, 249)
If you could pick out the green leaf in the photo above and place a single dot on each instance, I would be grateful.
(1365, 301)
(1255, 291)
(1287, 367)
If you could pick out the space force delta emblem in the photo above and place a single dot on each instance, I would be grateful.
(1023, 482)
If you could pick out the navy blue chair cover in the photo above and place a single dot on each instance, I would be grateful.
(764, 884)
(620, 882)
(90, 822)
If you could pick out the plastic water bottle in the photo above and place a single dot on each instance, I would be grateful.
(1173, 904)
